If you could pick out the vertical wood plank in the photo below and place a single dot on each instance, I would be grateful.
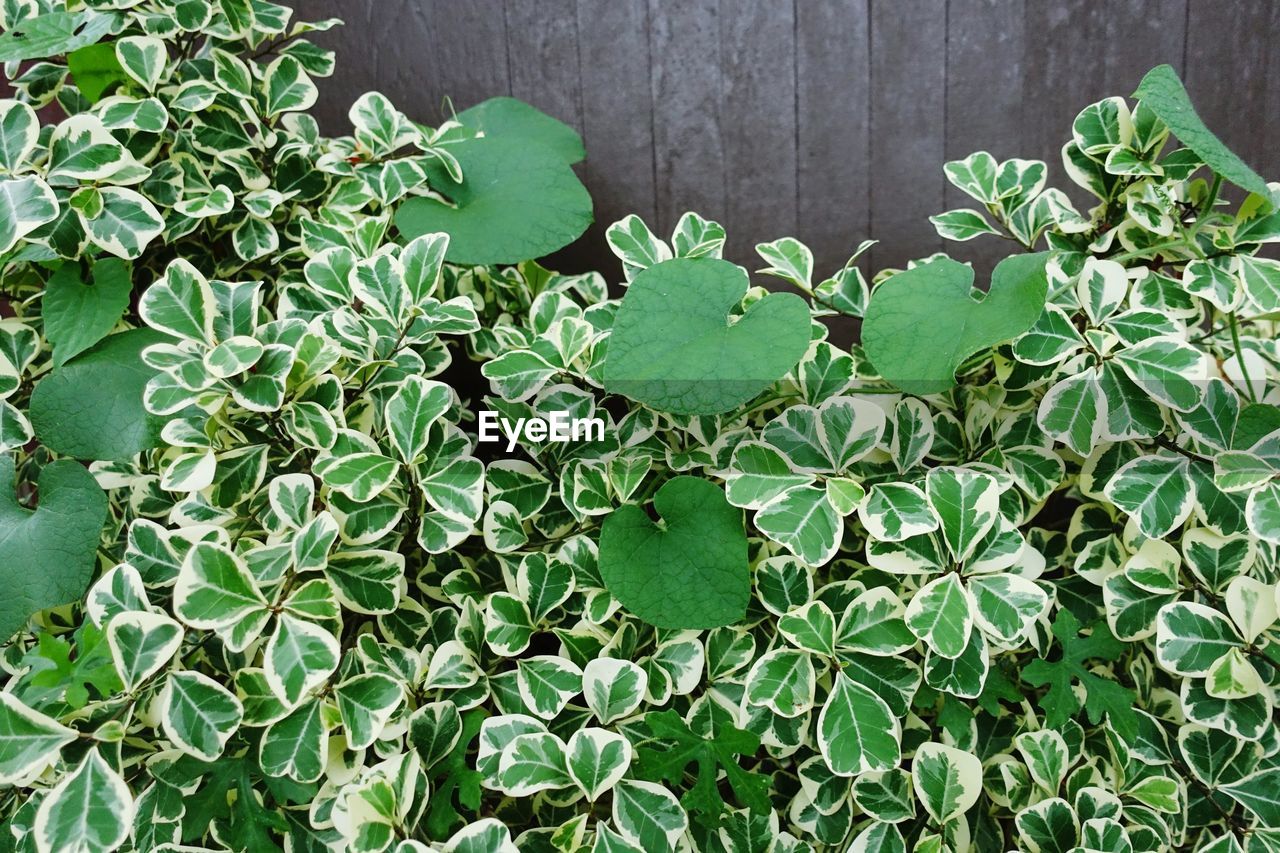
(985, 93)
(908, 117)
(1074, 59)
(416, 52)
(542, 56)
(758, 124)
(833, 139)
(1233, 77)
(689, 149)
(617, 119)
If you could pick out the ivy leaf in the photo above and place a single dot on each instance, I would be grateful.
(675, 347)
(690, 571)
(680, 746)
(1163, 93)
(455, 781)
(77, 314)
(939, 296)
(91, 407)
(515, 202)
(1102, 695)
(47, 557)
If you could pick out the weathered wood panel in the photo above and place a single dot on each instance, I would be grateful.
(828, 120)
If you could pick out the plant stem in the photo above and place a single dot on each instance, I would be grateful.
(1244, 371)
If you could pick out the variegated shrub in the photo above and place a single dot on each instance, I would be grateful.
(1001, 576)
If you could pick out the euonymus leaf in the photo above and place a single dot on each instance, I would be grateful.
(91, 407)
(690, 570)
(89, 810)
(514, 119)
(937, 299)
(78, 314)
(47, 557)
(29, 740)
(947, 780)
(1163, 93)
(515, 202)
(676, 347)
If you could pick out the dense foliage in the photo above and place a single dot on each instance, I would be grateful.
(1013, 589)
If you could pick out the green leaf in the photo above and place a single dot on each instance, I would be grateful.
(515, 202)
(1103, 696)
(649, 815)
(1163, 93)
(26, 203)
(963, 224)
(29, 740)
(675, 348)
(141, 642)
(288, 88)
(1190, 638)
(613, 688)
(91, 809)
(939, 296)
(688, 572)
(1155, 491)
(678, 746)
(299, 657)
(54, 34)
(941, 614)
(126, 223)
(947, 780)
(511, 118)
(198, 714)
(47, 557)
(531, 763)
(1259, 793)
(94, 69)
(76, 314)
(966, 503)
(597, 760)
(295, 745)
(91, 407)
(803, 520)
(366, 703)
(857, 732)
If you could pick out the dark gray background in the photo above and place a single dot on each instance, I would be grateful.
(827, 120)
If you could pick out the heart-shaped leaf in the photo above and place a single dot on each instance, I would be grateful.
(676, 348)
(91, 407)
(689, 570)
(1163, 93)
(47, 557)
(77, 314)
(516, 201)
(923, 323)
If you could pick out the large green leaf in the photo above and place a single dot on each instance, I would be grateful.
(91, 407)
(78, 314)
(53, 34)
(939, 297)
(690, 571)
(516, 201)
(47, 557)
(1163, 93)
(676, 348)
(512, 118)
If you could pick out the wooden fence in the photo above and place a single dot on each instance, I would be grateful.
(828, 120)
